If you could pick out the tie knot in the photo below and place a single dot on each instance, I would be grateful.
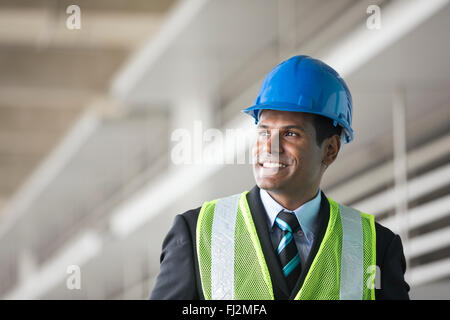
(287, 221)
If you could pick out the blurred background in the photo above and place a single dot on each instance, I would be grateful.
(87, 113)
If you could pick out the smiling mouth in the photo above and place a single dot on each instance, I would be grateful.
(272, 165)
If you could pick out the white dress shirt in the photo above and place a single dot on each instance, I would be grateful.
(307, 216)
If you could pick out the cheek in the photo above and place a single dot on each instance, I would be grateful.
(255, 154)
(257, 148)
(307, 159)
(314, 161)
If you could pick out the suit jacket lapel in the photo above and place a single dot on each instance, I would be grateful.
(259, 215)
(324, 216)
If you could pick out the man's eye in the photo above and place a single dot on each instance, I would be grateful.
(290, 133)
(263, 133)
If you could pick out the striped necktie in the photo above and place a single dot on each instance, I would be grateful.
(287, 250)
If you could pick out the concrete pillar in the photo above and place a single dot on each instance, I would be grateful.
(191, 117)
(400, 165)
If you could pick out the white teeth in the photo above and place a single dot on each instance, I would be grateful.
(273, 165)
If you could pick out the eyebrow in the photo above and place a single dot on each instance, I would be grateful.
(292, 126)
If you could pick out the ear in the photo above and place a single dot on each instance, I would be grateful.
(331, 147)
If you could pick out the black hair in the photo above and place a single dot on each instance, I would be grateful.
(325, 128)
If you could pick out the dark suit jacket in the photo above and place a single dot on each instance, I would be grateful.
(179, 276)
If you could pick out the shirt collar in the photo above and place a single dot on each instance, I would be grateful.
(306, 214)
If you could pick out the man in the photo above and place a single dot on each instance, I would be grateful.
(285, 239)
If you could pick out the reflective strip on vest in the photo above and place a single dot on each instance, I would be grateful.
(222, 248)
(352, 276)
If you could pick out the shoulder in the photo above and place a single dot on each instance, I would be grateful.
(384, 239)
(187, 221)
(387, 242)
(384, 234)
(182, 229)
(190, 215)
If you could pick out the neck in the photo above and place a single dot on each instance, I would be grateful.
(293, 201)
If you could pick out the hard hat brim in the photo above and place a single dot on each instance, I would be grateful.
(283, 106)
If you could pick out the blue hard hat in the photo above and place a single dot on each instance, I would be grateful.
(304, 84)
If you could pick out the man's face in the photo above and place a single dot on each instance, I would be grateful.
(288, 158)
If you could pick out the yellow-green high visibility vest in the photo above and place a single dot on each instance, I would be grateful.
(232, 264)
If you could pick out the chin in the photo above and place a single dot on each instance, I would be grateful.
(267, 185)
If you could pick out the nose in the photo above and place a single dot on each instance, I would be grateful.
(271, 142)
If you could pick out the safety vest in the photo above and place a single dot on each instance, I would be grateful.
(232, 264)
